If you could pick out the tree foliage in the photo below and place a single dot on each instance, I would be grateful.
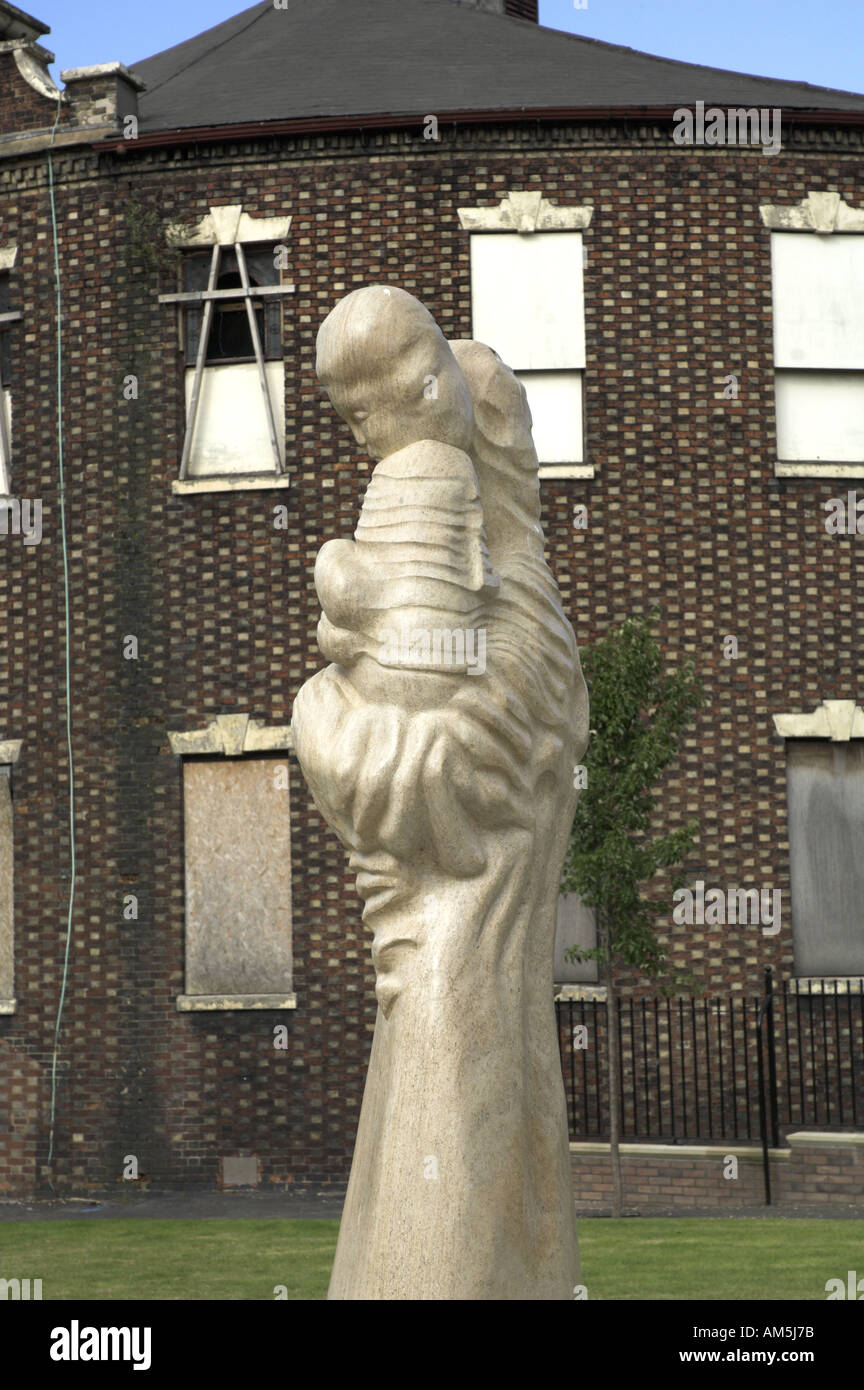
(638, 714)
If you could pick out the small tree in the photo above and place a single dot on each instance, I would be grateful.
(638, 713)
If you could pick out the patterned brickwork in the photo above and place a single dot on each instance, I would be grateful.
(22, 1114)
(684, 511)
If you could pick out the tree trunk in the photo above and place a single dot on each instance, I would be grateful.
(613, 1090)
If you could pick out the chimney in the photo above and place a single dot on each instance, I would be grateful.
(102, 95)
(516, 9)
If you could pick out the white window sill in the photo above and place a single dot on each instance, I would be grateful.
(577, 992)
(213, 1003)
(829, 984)
(819, 470)
(565, 470)
(8, 1006)
(234, 482)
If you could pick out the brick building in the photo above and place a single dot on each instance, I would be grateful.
(685, 305)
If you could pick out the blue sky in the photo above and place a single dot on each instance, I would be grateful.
(819, 41)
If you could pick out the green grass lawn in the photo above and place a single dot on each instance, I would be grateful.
(740, 1258)
(634, 1258)
(138, 1259)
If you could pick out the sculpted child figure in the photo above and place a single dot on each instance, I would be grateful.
(452, 789)
(420, 563)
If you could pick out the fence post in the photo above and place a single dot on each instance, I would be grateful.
(772, 1056)
(763, 1122)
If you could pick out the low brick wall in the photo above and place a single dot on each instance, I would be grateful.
(815, 1169)
(824, 1168)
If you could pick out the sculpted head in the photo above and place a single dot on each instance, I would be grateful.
(390, 373)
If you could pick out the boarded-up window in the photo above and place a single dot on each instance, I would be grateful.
(820, 415)
(555, 402)
(575, 927)
(818, 284)
(7, 923)
(232, 433)
(527, 304)
(826, 835)
(238, 882)
(818, 298)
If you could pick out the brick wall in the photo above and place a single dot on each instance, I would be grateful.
(684, 510)
(22, 1116)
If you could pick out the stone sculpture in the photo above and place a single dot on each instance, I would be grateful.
(440, 744)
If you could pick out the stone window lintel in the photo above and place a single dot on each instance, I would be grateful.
(225, 226)
(837, 720)
(823, 212)
(525, 212)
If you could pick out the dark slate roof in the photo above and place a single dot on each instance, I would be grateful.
(333, 58)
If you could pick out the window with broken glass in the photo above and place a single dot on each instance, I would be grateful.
(230, 337)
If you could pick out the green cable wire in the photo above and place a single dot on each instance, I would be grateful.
(68, 645)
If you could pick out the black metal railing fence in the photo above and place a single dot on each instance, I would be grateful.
(730, 1068)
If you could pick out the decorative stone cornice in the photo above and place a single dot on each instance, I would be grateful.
(226, 225)
(231, 735)
(525, 212)
(838, 720)
(43, 54)
(32, 60)
(818, 212)
(15, 24)
(8, 255)
(10, 751)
